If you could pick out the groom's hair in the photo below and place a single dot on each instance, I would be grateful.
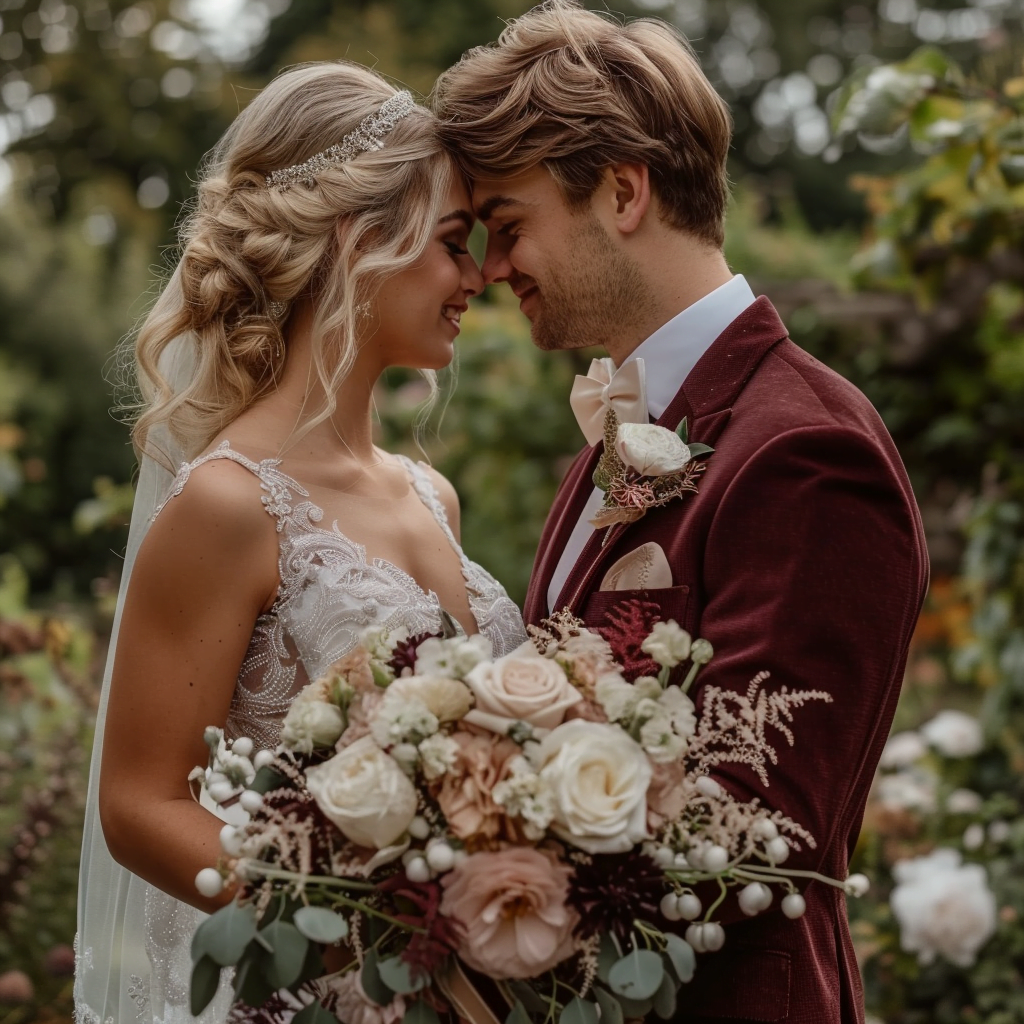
(577, 92)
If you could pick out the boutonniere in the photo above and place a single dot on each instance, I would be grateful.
(644, 466)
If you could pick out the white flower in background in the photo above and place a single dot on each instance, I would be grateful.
(437, 754)
(954, 734)
(598, 777)
(963, 801)
(651, 450)
(526, 795)
(364, 793)
(524, 686)
(456, 656)
(310, 724)
(944, 908)
(902, 749)
(446, 699)
(973, 837)
(402, 720)
(667, 644)
(913, 789)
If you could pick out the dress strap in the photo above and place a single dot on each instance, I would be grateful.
(277, 486)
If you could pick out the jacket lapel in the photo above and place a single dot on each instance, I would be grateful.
(705, 400)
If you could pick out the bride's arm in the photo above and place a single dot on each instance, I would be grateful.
(203, 575)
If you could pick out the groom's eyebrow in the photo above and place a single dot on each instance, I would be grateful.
(464, 215)
(489, 207)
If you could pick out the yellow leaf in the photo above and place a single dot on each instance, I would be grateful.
(1014, 87)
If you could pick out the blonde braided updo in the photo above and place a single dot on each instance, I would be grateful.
(248, 250)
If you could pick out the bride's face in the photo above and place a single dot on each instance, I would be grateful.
(416, 320)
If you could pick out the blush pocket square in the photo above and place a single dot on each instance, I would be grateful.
(645, 568)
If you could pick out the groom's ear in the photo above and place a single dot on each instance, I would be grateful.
(628, 186)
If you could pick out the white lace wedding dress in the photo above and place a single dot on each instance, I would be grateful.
(329, 594)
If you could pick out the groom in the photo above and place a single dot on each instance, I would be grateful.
(597, 153)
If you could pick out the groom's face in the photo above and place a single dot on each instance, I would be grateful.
(574, 283)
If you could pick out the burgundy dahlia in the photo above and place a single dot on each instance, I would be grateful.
(613, 890)
(404, 655)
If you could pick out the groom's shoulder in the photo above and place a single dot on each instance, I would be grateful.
(793, 389)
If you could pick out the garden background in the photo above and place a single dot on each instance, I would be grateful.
(879, 201)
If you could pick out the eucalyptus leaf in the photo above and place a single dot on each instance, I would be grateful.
(637, 975)
(320, 924)
(528, 996)
(314, 1013)
(635, 1008)
(250, 983)
(288, 946)
(205, 979)
(518, 1015)
(398, 976)
(697, 449)
(266, 780)
(313, 967)
(611, 1009)
(683, 430)
(373, 984)
(682, 957)
(420, 1013)
(225, 934)
(607, 955)
(579, 1011)
(665, 998)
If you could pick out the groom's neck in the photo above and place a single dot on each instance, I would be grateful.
(678, 271)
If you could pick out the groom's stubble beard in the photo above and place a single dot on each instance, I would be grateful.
(591, 298)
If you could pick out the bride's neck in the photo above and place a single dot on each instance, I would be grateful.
(348, 432)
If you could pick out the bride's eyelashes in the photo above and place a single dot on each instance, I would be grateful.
(455, 249)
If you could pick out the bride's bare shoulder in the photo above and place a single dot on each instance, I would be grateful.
(448, 495)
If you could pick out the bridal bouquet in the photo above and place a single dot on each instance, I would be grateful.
(536, 819)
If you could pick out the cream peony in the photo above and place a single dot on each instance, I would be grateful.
(954, 734)
(310, 724)
(944, 908)
(524, 685)
(364, 793)
(651, 450)
(446, 699)
(598, 776)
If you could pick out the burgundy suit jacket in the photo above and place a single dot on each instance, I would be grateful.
(802, 554)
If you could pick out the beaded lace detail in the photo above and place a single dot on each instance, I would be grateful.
(330, 593)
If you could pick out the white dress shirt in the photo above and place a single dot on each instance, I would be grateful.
(669, 355)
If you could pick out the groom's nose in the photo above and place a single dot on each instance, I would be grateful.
(497, 266)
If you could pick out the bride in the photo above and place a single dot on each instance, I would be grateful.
(327, 243)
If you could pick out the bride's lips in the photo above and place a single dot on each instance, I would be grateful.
(453, 314)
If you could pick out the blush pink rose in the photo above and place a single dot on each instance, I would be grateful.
(464, 791)
(348, 1001)
(512, 905)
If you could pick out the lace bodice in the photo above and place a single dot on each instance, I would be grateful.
(330, 593)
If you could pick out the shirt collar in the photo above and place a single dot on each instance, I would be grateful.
(674, 349)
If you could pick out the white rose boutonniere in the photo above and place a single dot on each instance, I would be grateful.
(651, 450)
(364, 793)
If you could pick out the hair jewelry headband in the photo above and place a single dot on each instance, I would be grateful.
(367, 137)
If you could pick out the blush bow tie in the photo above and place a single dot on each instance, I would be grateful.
(605, 387)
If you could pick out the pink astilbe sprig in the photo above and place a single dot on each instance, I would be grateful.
(438, 936)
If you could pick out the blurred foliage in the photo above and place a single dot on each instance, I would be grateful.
(948, 232)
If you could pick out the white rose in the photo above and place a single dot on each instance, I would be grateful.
(651, 450)
(944, 907)
(525, 686)
(598, 777)
(446, 699)
(954, 734)
(668, 644)
(364, 793)
(902, 749)
(311, 723)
